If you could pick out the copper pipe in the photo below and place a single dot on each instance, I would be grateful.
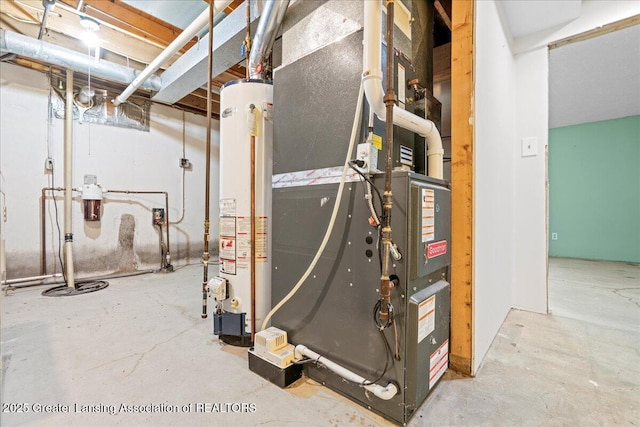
(207, 184)
(43, 212)
(253, 236)
(389, 101)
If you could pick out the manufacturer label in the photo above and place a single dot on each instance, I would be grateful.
(436, 249)
(438, 363)
(426, 317)
(428, 215)
(227, 112)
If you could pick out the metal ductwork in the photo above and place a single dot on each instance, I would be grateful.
(270, 21)
(171, 50)
(14, 43)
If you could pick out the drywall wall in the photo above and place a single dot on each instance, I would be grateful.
(594, 190)
(122, 159)
(493, 177)
(529, 287)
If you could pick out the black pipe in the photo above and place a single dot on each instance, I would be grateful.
(389, 99)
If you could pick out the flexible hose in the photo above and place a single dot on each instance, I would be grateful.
(334, 214)
(369, 198)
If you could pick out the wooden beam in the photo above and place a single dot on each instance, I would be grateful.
(135, 21)
(462, 146)
(444, 10)
(600, 31)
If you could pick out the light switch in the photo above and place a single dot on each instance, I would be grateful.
(529, 147)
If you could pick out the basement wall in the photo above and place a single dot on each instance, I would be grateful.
(595, 218)
(122, 159)
(495, 121)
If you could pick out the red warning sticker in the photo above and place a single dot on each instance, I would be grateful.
(436, 249)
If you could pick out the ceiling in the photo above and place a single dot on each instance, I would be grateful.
(525, 17)
(131, 33)
(595, 79)
(135, 32)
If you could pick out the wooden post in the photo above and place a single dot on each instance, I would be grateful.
(462, 146)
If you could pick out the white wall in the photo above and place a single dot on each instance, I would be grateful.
(532, 89)
(530, 262)
(124, 159)
(512, 102)
(495, 124)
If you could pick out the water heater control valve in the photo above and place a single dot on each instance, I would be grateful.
(219, 288)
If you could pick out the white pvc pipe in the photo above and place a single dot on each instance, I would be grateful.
(175, 46)
(372, 82)
(384, 393)
(68, 176)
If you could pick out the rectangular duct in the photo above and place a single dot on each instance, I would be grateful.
(190, 71)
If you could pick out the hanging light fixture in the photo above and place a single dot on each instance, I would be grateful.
(88, 23)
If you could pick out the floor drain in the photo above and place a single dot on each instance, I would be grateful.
(81, 288)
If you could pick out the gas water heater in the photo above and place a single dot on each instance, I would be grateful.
(242, 291)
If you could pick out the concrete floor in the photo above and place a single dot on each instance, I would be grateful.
(141, 341)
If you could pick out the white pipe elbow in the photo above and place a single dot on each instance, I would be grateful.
(384, 393)
(372, 85)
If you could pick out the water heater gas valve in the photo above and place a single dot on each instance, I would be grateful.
(219, 288)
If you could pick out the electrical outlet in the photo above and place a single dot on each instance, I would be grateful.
(48, 164)
(554, 236)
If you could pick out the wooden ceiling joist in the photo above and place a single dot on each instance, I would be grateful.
(122, 15)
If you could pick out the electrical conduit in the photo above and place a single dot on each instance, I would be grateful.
(372, 82)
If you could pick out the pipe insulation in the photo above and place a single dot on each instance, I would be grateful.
(49, 53)
(384, 393)
(169, 51)
(372, 83)
(68, 177)
(270, 21)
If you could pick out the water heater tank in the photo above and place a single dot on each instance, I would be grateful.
(246, 111)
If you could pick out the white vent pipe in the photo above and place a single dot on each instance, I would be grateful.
(172, 49)
(68, 177)
(49, 53)
(384, 393)
(372, 82)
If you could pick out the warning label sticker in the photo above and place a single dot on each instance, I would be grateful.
(426, 317)
(438, 363)
(227, 248)
(227, 266)
(261, 239)
(227, 207)
(244, 240)
(227, 226)
(428, 215)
